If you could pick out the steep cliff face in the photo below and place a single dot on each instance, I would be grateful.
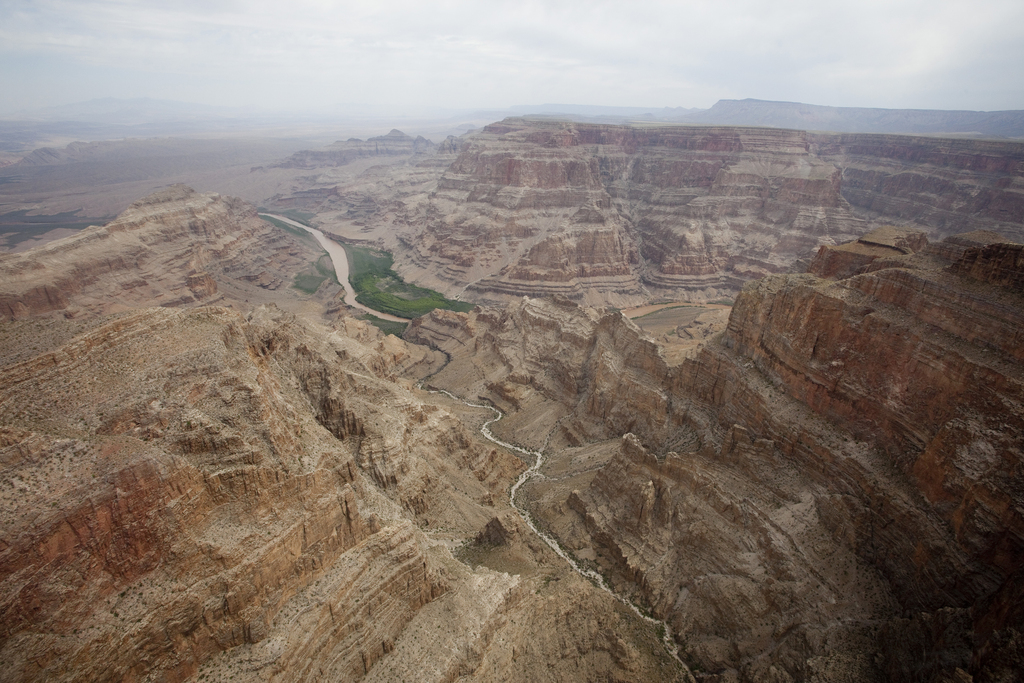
(177, 484)
(707, 208)
(174, 248)
(946, 186)
(830, 488)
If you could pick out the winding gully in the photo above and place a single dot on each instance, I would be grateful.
(534, 470)
(340, 260)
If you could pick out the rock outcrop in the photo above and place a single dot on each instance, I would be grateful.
(670, 209)
(192, 492)
(180, 483)
(848, 259)
(394, 144)
(176, 247)
(829, 488)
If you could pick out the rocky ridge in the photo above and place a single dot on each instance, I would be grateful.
(192, 492)
(394, 144)
(751, 112)
(612, 215)
(206, 476)
(176, 247)
(793, 512)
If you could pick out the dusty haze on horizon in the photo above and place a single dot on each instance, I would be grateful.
(319, 56)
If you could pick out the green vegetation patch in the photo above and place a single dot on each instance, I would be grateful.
(662, 310)
(298, 216)
(386, 326)
(379, 287)
(309, 280)
(298, 232)
(303, 217)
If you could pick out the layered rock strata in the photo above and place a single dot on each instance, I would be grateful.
(701, 209)
(693, 208)
(848, 259)
(176, 247)
(195, 493)
(394, 144)
(946, 186)
(181, 483)
(617, 215)
(830, 488)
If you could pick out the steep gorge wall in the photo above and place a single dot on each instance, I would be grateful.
(168, 249)
(945, 186)
(698, 210)
(846, 494)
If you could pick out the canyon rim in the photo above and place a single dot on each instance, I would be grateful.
(806, 464)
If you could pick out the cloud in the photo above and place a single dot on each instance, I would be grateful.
(903, 53)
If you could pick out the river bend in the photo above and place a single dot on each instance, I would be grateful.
(340, 260)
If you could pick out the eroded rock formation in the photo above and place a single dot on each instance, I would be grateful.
(698, 209)
(179, 483)
(192, 492)
(946, 186)
(831, 488)
(617, 215)
(394, 144)
(176, 247)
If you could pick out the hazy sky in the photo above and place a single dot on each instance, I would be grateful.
(942, 54)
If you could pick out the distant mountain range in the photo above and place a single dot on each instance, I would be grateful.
(130, 112)
(1004, 124)
(112, 118)
(591, 111)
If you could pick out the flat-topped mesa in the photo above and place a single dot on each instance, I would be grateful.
(685, 202)
(707, 207)
(394, 144)
(842, 261)
(176, 247)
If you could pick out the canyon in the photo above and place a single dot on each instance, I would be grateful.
(622, 214)
(208, 474)
(199, 489)
(829, 490)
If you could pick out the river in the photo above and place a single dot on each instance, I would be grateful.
(340, 260)
(534, 469)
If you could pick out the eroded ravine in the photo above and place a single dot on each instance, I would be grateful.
(534, 470)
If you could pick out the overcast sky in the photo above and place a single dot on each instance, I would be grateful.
(318, 54)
